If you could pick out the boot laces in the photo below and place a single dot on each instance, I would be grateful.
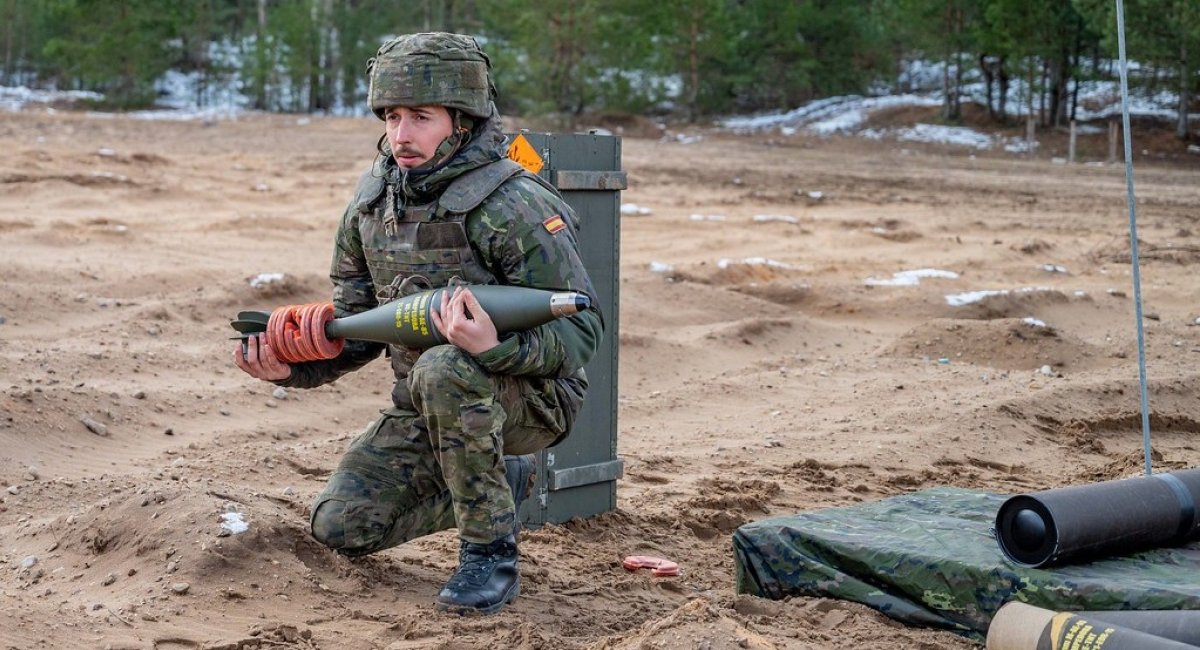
(476, 562)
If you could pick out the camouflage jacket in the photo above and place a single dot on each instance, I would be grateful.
(432, 229)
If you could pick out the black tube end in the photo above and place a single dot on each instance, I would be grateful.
(582, 302)
(1026, 532)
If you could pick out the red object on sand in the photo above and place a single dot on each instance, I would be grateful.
(657, 565)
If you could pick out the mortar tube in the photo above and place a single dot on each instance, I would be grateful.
(1018, 626)
(1087, 522)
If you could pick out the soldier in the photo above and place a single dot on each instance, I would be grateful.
(442, 204)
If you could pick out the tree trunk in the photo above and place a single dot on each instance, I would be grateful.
(694, 62)
(1002, 72)
(260, 58)
(1185, 93)
(448, 22)
(1076, 60)
(316, 32)
(1030, 117)
(947, 90)
(988, 78)
(1042, 117)
(958, 65)
(1057, 90)
(10, 20)
(200, 51)
(329, 58)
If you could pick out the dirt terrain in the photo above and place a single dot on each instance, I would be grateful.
(774, 382)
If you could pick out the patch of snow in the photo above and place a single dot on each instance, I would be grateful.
(660, 267)
(707, 217)
(15, 98)
(1053, 268)
(969, 297)
(263, 279)
(1033, 322)
(725, 263)
(634, 209)
(957, 135)
(233, 522)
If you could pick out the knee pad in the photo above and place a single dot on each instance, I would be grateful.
(328, 523)
(331, 524)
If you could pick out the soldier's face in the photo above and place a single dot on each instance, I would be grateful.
(414, 133)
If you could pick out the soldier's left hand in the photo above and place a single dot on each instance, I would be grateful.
(464, 322)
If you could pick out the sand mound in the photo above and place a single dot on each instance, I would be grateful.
(1006, 344)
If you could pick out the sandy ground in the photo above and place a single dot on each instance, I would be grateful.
(747, 391)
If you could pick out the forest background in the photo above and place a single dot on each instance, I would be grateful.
(686, 59)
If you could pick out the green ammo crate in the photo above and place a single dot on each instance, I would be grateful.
(577, 478)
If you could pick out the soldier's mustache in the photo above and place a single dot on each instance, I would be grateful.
(406, 152)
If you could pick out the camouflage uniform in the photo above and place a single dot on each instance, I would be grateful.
(435, 459)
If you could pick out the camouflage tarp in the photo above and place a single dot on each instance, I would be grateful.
(930, 558)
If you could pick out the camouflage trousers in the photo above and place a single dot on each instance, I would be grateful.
(441, 465)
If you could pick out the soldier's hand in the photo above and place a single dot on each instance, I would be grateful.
(260, 361)
(464, 322)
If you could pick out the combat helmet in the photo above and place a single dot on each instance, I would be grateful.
(431, 69)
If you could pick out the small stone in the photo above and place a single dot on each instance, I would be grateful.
(13, 489)
(180, 462)
(139, 394)
(280, 393)
(272, 404)
(3, 320)
(29, 561)
(168, 431)
(289, 491)
(172, 566)
(1046, 370)
(95, 427)
(32, 474)
(97, 606)
(108, 580)
(224, 411)
(131, 572)
(180, 588)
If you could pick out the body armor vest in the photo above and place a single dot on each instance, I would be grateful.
(411, 248)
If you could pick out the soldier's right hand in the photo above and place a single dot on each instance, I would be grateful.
(260, 361)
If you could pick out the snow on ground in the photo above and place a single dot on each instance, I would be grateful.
(188, 96)
(14, 98)
(921, 84)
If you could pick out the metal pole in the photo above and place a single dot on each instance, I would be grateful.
(1131, 200)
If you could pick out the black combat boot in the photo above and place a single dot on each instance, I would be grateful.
(487, 577)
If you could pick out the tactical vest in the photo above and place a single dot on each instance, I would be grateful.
(427, 244)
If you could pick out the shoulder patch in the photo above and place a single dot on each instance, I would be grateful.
(554, 224)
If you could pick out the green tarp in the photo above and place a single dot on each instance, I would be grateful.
(930, 558)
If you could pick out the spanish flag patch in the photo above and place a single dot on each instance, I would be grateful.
(554, 224)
